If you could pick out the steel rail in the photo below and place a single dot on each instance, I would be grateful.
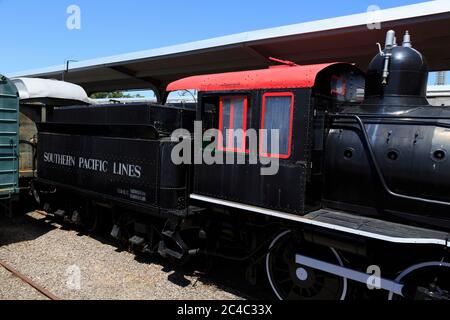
(28, 281)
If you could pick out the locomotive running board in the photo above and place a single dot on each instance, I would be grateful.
(347, 223)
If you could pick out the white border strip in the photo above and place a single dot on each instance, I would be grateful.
(292, 217)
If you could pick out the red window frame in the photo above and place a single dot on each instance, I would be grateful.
(291, 120)
(230, 130)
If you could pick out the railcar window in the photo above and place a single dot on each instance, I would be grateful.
(233, 124)
(277, 114)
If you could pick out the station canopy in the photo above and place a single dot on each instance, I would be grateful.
(346, 39)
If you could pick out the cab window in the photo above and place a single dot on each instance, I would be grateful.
(277, 114)
(233, 123)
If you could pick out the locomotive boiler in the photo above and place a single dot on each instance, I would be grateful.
(358, 205)
(395, 145)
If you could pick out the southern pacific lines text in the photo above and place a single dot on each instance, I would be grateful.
(104, 166)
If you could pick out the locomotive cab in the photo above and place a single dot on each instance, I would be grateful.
(246, 108)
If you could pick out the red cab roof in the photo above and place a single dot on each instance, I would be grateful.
(278, 77)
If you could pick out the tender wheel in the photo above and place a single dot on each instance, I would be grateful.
(290, 281)
(425, 281)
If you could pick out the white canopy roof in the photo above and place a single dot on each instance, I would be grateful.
(35, 88)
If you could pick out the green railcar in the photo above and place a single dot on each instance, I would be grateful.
(9, 143)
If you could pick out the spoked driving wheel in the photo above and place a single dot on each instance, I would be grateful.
(292, 281)
(425, 281)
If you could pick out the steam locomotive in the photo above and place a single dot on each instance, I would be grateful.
(357, 206)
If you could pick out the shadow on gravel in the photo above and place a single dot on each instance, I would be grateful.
(21, 229)
(226, 275)
(223, 274)
(178, 278)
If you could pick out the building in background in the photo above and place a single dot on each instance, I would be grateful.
(441, 78)
(439, 95)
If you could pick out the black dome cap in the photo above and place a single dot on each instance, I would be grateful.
(408, 77)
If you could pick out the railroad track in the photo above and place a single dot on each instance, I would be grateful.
(29, 282)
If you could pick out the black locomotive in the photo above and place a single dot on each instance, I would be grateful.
(358, 201)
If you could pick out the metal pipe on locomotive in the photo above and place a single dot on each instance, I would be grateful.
(362, 184)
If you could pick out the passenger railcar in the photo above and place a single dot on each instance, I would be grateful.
(357, 204)
(9, 144)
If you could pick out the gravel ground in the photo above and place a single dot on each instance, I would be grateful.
(12, 288)
(78, 267)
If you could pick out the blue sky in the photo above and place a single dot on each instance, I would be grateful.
(35, 35)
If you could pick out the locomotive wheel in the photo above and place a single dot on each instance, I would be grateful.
(425, 281)
(290, 281)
